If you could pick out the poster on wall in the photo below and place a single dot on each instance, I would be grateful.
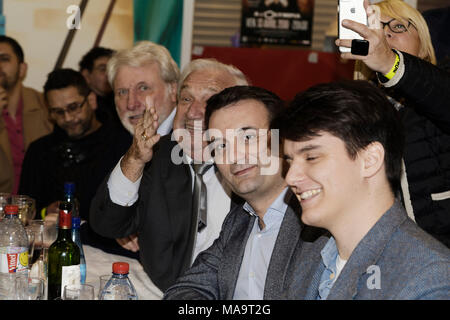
(277, 22)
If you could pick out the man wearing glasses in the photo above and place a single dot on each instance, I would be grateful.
(80, 149)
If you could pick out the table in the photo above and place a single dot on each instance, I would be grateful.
(100, 263)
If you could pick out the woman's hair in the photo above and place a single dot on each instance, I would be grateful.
(404, 13)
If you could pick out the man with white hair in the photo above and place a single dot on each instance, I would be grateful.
(144, 74)
(156, 200)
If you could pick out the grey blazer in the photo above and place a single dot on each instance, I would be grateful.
(395, 260)
(215, 271)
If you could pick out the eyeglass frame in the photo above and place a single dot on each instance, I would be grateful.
(60, 113)
(384, 24)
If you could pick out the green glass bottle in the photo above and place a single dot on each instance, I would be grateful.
(63, 256)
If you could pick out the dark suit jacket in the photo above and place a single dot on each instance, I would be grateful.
(216, 270)
(408, 262)
(162, 216)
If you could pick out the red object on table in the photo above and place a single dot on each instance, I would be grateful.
(284, 72)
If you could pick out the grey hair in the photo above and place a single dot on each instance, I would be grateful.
(210, 63)
(144, 53)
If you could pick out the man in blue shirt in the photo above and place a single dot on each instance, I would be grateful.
(344, 143)
(250, 258)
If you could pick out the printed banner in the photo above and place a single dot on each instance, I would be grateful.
(279, 22)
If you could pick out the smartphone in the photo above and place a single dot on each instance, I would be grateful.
(351, 10)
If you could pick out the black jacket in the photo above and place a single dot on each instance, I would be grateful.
(425, 93)
(55, 158)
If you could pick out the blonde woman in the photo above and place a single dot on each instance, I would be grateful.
(401, 59)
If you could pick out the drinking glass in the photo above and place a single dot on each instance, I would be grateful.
(29, 288)
(78, 292)
(27, 207)
(103, 280)
(37, 227)
(50, 232)
(31, 239)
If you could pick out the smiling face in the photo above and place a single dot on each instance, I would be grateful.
(324, 178)
(198, 87)
(239, 161)
(133, 86)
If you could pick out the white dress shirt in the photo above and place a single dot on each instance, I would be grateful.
(258, 250)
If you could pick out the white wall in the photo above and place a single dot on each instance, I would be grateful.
(40, 28)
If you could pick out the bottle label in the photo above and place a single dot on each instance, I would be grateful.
(70, 275)
(65, 219)
(13, 259)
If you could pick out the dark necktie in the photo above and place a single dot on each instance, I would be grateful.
(199, 197)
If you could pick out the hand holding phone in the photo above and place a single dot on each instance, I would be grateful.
(352, 10)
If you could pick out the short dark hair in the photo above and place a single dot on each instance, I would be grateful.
(15, 46)
(87, 61)
(63, 78)
(232, 95)
(356, 112)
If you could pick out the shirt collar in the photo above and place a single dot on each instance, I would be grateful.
(329, 254)
(279, 205)
(165, 127)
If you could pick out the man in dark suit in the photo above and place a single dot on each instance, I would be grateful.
(145, 73)
(344, 143)
(155, 200)
(260, 239)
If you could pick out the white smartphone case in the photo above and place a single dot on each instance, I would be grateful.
(351, 10)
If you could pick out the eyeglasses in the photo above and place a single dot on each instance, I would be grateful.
(72, 109)
(395, 26)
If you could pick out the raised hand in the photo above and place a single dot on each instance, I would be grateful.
(141, 150)
(380, 57)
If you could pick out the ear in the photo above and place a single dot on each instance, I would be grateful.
(92, 100)
(173, 92)
(86, 74)
(373, 159)
(23, 68)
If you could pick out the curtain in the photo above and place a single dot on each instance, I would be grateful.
(160, 21)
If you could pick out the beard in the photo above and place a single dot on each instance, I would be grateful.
(9, 82)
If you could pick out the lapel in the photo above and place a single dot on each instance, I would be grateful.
(35, 117)
(367, 253)
(287, 240)
(298, 258)
(177, 182)
(4, 141)
(234, 251)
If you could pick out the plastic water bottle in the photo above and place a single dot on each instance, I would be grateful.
(13, 251)
(119, 287)
(76, 221)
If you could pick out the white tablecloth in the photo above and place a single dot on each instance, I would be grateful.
(100, 263)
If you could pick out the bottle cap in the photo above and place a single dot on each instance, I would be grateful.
(11, 209)
(69, 188)
(76, 221)
(121, 267)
